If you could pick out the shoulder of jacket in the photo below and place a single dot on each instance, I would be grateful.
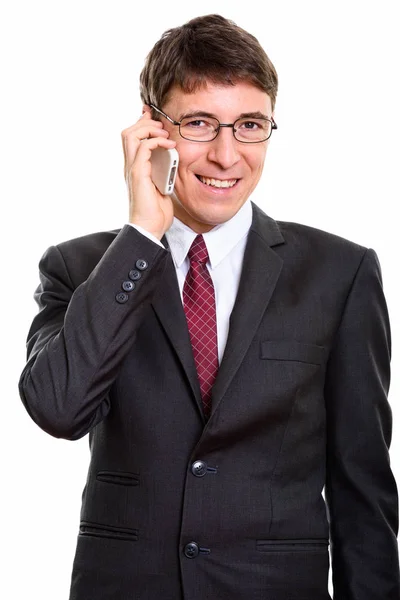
(314, 238)
(303, 238)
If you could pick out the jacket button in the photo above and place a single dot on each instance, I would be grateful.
(128, 286)
(141, 264)
(191, 550)
(199, 468)
(122, 297)
(134, 275)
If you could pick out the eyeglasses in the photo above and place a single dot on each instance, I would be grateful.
(202, 128)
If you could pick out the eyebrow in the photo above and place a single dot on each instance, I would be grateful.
(202, 113)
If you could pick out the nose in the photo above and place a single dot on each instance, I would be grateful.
(224, 149)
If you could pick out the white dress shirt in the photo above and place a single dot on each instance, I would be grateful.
(225, 245)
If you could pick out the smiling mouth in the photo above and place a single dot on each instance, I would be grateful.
(218, 183)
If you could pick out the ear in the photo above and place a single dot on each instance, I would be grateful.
(146, 109)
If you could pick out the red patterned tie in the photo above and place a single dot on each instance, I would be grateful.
(199, 305)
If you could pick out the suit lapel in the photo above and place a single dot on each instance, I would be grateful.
(169, 310)
(260, 273)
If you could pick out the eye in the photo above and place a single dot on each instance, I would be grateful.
(197, 123)
(250, 125)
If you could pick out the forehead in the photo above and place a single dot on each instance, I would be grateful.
(231, 100)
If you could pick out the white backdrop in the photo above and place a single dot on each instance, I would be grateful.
(70, 85)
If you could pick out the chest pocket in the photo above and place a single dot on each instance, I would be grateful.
(288, 350)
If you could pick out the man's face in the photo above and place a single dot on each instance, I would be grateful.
(198, 204)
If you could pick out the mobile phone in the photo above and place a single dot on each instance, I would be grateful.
(164, 165)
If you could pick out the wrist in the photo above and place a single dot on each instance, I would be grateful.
(146, 229)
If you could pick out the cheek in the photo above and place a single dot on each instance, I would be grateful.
(256, 163)
(189, 155)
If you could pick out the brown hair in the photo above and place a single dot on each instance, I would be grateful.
(208, 48)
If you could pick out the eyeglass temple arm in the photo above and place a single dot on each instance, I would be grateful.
(164, 115)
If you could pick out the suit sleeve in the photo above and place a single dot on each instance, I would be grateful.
(80, 336)
(360, 490)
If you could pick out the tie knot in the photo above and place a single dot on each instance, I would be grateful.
(198, 250)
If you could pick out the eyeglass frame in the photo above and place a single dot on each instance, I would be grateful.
(178, 123)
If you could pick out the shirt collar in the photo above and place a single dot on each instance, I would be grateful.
(219, 241)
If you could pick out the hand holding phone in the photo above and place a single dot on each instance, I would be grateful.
(150, 205)
(164, 165)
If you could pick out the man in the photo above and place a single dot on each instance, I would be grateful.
(227, 367)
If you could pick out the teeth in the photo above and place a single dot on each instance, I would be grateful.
(219, 183)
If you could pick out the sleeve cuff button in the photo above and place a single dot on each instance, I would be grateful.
(122, 297)
(134, 275)
(141, 264)
(128, 286)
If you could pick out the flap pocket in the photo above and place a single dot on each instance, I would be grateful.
(118, 477)
(293, 351)
(312, 545)
(107, 531)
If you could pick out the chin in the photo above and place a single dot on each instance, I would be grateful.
(211, 218)
(207, 211)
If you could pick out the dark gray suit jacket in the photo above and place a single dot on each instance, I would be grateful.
(176, 508)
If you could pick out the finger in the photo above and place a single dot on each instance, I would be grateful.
(131, 139)
(143, 121)
(143, 131)
(132, 136)
(143, 150)
(141, 163)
